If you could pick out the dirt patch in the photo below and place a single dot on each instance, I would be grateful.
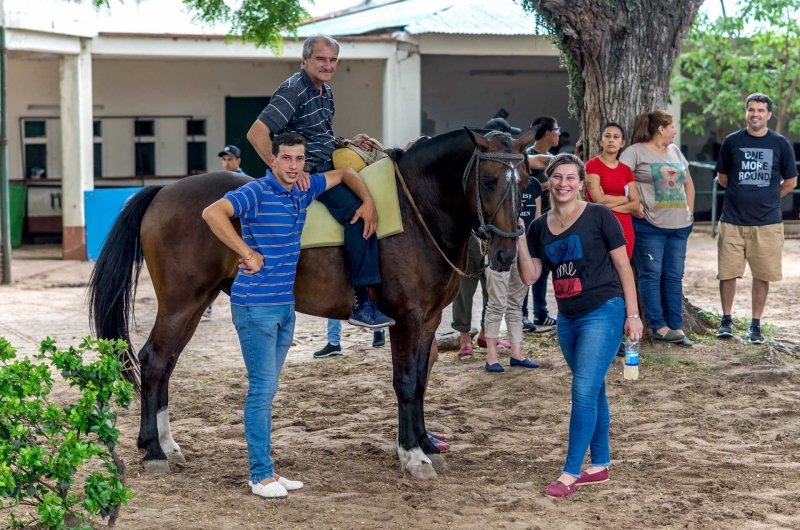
(706, 438)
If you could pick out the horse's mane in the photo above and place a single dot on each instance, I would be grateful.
(431, 147)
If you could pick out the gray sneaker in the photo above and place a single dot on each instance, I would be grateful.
(754, 335)
(725, 330)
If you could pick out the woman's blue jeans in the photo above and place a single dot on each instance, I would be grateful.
(589, 344)
(660, 256)
(265, 335)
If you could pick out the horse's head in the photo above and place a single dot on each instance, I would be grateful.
(494, 182)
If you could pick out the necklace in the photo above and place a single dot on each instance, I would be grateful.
(567, 217)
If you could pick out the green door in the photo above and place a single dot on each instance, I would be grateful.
(240, 113)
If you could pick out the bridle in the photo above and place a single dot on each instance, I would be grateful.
(485, 230)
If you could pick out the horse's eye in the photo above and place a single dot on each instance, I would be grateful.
(487, 184)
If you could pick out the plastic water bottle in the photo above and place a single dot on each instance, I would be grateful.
(631, 359)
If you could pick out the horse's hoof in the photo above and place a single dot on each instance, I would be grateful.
(156, 466)
(438, 462)
(422, 471)
(176, 458)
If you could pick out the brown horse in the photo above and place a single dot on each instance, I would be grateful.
(454, 178)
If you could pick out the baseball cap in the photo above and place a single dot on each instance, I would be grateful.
(231, 150)
(499, 124)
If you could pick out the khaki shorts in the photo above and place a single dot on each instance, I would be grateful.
(759, 246)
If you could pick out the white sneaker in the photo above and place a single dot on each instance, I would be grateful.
(273, 490)
(207, 312)
(290, 485)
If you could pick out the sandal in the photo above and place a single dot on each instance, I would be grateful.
(436, 435)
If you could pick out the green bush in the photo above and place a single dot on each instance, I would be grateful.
(44, 448)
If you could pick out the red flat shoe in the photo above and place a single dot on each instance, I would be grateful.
(588, 479)
(557, 489)
(500, 343)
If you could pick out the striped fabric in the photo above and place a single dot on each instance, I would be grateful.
(272, 221)
(297, 106)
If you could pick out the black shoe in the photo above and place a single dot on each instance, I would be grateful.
(545, 324)
(754, 335)
(328, 351)
(725, 330)
(527, 325)
(379, 339)
(367, 315)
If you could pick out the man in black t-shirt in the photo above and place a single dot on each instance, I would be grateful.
(757, 168)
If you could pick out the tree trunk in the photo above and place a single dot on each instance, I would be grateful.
(620, 57)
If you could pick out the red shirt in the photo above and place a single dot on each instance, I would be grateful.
(613, 182)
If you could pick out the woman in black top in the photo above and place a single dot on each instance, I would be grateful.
(582, 244)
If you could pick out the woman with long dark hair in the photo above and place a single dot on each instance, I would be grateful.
(611, 183)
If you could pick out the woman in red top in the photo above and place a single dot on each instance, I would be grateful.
(611, 183)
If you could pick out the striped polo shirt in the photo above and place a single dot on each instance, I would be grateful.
(272, 219)
(298, 106)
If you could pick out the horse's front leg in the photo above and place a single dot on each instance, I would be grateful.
(406, 362)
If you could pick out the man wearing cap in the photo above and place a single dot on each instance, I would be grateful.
(304, 104)
(231, 159)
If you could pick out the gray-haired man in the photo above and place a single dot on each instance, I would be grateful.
(304, 104)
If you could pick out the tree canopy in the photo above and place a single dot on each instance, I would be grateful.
(724, 60)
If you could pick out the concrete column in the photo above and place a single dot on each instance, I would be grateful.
(77, 153)
(402, 98)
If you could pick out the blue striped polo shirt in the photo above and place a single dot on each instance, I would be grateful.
(272, 219)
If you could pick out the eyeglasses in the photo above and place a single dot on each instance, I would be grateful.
(557, 129)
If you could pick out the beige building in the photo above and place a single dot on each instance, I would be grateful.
(141, 95)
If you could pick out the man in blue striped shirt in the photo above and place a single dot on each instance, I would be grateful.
(304, 104)
(272, 211)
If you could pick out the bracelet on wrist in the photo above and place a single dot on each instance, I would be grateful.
(633, 316)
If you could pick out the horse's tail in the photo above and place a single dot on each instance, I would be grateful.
(112, 286)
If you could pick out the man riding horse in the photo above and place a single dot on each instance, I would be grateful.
(304, 104)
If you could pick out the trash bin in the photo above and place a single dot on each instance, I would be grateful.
(18, 198)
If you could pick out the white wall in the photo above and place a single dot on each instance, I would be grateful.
(469, 90)
(173, 88)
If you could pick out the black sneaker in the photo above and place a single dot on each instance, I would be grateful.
(527, 325)
(328, 351)
(367, 315)
(545, 324)
(379, 338)
(754, 335)
(725, 330)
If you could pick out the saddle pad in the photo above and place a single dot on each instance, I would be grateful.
(322, 230)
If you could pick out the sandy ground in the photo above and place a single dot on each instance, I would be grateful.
(706, 438)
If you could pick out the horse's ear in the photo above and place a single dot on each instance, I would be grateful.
(479, 141)
(526, 139)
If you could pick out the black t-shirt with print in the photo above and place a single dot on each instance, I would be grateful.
(528, 210)
(584, 277)
(755, 166)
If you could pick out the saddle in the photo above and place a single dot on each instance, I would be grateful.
(322, 230)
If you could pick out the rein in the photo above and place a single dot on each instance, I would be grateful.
(485, 229)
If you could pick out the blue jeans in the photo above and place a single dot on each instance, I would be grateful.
(265, 334)
(589, 345)
(334, 331)
(660, 255)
